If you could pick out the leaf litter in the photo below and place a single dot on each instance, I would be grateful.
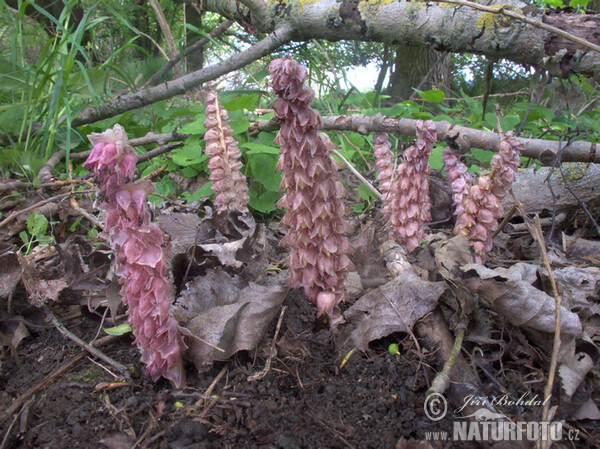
(228, 299)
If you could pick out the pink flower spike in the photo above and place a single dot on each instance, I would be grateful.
(140, 256)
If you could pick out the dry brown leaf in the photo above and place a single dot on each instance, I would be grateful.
(10, 273)
(42, 276)
(222, 311)
(393, 307)
(510, 293)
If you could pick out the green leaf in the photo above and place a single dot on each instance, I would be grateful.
(24, 237)
(248, 102)
(432, 96)
(266, 138)
(45, 239)
(435, 160)
(483, 156)
(239, 126)
(358, 208)
(507, 123)
(366, 193)
(194, 127)
(263, 169)
(37, 225)
(191, 153)
(264, 203)
(256, 148)
(475, 107)
(202, 192)
(119, 330)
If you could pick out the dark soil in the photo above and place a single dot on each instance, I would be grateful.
(306, 400)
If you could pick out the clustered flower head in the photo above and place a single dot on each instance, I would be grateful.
(480, 207)
(139, 246)
(228, 182)
(408, 203)
(384, 161)
(459, 178)
(312, 198)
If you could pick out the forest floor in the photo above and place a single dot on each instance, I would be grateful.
(298, 387)
(305, 400)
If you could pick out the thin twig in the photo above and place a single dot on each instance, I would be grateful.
(358, 175)
(441, 382)
(95, 352)
(211, 387)
(535, 229)
(43, 383)
(502, 10)
(14, 215)
(272, 353)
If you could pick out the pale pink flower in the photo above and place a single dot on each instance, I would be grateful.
(312, 195)
(140, 251)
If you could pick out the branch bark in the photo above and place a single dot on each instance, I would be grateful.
(444, 27)
(543, 150)
(169, 89)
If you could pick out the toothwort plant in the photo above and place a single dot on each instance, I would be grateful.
(480, 208)
(408, 202)
(228, 182)
(140, 250)
(312, 198)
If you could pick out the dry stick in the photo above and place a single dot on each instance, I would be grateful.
(166, 31)
(95, 352)
(358, 175)
(169, 89)
(43, 383)
(272, 353)
(212, 386)
(41, 203)
(535, 229)
(545, 150)
(441, 382)
(536, 23)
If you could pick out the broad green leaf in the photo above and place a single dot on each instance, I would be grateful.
(194, 127)
(239, 126)
(24, 237)
(266, 138)
(507, 123)
(119, 330)
(202, 192)
(263, 170)
(255, 148)
(264, 203)
(191, 153)
(366, 193)
(435, 160)
(37, 224)
(432, 96)
(248, 102)
(483, 156)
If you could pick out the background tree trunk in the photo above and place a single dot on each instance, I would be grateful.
(418, 67)
(194, 61)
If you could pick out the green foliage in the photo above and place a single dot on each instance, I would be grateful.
(37, 225)
(119, 330)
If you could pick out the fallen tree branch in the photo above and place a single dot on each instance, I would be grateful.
(545, 151)
(169, 89)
